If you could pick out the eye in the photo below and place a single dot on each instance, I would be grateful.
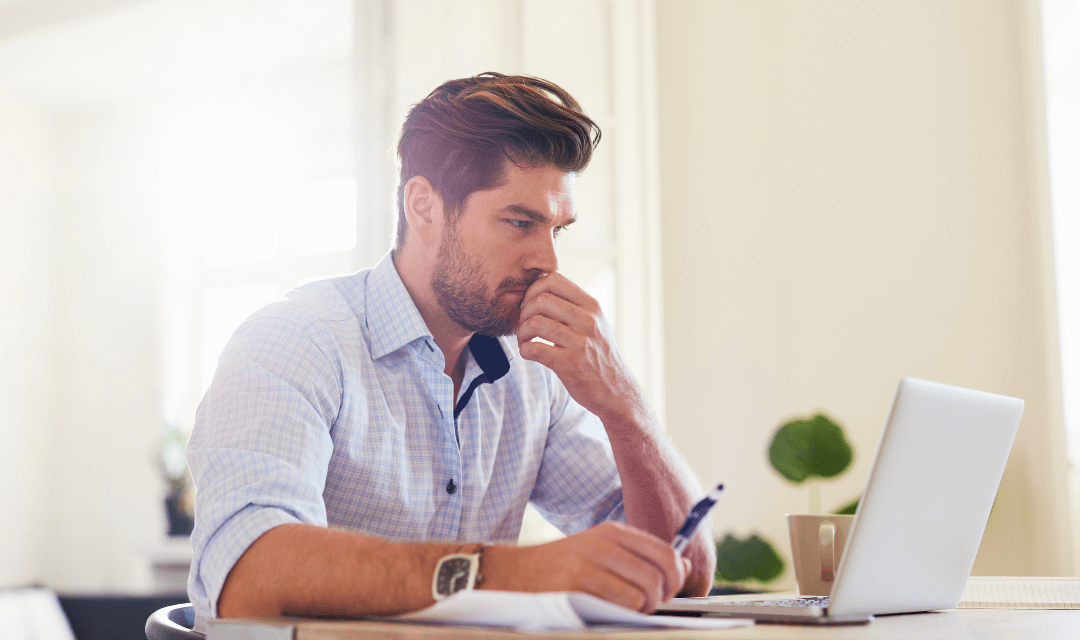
(524, 225)
(557, 231)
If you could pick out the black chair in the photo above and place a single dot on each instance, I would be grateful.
(173, 623)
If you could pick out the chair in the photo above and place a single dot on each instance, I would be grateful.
(173, 623)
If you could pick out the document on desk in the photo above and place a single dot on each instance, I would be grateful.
(984, 592)
(563, 611)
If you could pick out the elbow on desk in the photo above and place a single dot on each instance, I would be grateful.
(699, 581)
(241, 599)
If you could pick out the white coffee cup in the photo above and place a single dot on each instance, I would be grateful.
(817, 545)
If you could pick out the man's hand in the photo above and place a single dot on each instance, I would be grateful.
(612, 561)
(584, 355)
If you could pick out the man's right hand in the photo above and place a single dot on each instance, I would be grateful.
(612, 561)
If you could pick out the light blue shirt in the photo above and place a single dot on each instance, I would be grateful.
(331, 408)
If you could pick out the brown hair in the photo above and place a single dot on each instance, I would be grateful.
(460, 136)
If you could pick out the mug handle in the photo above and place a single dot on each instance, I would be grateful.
(827, 540)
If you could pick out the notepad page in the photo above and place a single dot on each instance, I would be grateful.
(983, 592)
(537, 612)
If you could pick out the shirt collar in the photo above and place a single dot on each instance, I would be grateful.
(393, 321)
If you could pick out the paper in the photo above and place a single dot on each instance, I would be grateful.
(562, 611)
(1021, 593)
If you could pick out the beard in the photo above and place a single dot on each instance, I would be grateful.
(459, 287)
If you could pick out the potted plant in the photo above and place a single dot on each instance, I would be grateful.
(802, 450)
(179, 501)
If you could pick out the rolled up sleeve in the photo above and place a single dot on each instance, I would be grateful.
(260, 448)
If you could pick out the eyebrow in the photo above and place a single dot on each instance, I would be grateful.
(536, 216)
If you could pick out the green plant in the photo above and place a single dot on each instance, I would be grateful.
(802, 450)
(173, 461)
(747, 559)
(805, 449)
(180, 499)
(848, 509)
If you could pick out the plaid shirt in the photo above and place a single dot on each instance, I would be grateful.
(331, 408)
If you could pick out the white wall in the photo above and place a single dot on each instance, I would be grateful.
(27, 162)
(104, 493)
(80, 389)
(848, 198)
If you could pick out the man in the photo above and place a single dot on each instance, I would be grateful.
(360, 434)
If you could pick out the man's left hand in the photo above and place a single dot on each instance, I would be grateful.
(584, 355)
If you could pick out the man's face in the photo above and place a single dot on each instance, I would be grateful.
(503, 241)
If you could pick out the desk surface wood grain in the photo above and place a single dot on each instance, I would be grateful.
(974, 624)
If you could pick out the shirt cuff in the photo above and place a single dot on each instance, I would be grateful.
(226, 546)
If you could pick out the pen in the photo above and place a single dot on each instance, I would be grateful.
(697, 514)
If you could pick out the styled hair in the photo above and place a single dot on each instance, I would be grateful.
(461, 136)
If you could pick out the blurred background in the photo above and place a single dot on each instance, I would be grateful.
(794, 205)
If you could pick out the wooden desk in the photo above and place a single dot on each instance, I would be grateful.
(980, 624)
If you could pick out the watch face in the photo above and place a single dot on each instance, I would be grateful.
(453, 575)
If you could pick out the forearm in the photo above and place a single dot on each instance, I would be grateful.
(298, 569)
(578, 344)
(659, 489)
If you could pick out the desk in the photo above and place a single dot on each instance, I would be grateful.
(981, 624)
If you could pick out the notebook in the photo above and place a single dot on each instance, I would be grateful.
(984, 592)
(924, 508)
(558, 611)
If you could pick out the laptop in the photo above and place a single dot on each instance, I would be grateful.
(922, 514)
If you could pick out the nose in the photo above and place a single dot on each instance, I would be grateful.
(544, 255)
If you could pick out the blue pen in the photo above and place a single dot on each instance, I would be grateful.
(697, 514)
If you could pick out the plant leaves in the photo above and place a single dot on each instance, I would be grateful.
(849, 508)
(806, 448)
(752, 558)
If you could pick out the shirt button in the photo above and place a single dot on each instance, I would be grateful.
(451, 488)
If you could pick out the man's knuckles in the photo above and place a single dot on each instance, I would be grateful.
(534, 327)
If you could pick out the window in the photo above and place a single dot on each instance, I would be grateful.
(257, 190)
(1061, 51)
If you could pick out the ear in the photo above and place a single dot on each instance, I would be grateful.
(423, 210)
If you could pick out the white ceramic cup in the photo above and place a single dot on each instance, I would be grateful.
(817, 545)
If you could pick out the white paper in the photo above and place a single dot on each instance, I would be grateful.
(562, 611)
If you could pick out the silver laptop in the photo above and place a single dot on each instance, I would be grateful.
(917, 529)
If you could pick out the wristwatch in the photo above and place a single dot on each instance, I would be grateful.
(456, 572)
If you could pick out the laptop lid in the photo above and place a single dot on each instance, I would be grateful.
(927, 499)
